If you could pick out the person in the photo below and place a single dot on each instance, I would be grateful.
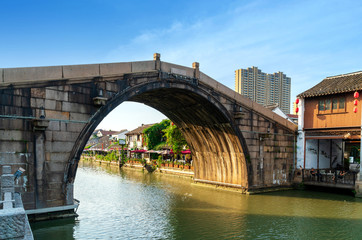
(341, 174)
(314, 173)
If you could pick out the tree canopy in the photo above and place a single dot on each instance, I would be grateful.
(154, 135)
(174, 138)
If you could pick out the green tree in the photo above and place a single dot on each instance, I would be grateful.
(154, 135)
(174, 138)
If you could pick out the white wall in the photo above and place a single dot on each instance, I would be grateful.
(311, 152)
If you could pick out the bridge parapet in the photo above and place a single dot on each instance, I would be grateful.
(14, 223)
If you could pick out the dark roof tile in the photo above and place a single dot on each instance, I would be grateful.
(336, 84)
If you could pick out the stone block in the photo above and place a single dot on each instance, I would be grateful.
(76, 107)
(55, 166)
(54, 126)
(6, 170)
(63, 126)
(56, 95)
(54, 203)
(81, 71)
(14, 158)
(50, 104)
(174, 68)
(143, 66)
(54, 194)
(225, 90)
(1, 75)
(49, 135)
(15, 135)
(57, 157)
(74, 127)
(115, 68)
(62, 146)
(55, 177)
(7, 181)
(17, 101)
(12, 223)
(25, 102)
(58, 115)
(13, 147)
(32, 74)
(208, 80)
(37, 92)
(79, 117)
(65, 136)
(79, 98)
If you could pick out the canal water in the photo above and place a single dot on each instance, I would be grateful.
(130, 204)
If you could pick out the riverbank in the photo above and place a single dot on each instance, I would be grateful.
(176, 170)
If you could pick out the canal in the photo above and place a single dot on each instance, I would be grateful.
(129, 204)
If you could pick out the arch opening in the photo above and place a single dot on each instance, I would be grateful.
(217, 150)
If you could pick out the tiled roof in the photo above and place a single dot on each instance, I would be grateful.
(140, 129)
(336, 84)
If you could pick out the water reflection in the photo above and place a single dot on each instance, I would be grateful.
(129, 204)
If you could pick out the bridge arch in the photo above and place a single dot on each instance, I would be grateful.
(48, 113)
(217, 145)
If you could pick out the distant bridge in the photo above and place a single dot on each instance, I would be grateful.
(47, 115)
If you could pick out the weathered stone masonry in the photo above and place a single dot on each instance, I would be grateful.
(47, 114)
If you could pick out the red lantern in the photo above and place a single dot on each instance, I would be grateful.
(296, 110)
(355, 102)
(297, 101)
(355, 109)
(356, 94)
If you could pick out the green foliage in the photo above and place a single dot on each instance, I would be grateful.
(160, 146)
(111, 156)
(174, 138)
(153, 135)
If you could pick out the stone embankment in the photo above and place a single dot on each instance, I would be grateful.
(14, 222)
(176, 170)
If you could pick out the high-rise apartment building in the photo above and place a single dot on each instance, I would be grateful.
(264, 88)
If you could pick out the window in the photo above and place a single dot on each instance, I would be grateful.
(341, 103)
(334, 103)
(327, 104)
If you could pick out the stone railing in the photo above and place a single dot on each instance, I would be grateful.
(14, 222)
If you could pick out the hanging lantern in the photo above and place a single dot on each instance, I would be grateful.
(297, 110)
(355, 109)
(297, 101)
(355, 102)
(356, 94)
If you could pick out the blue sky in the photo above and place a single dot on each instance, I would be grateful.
(307, 40)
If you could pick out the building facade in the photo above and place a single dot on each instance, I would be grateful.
(264, 88)
(135, 139)
(329, 125)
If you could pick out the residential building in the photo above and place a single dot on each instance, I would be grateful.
(120, 135)
(134, 138)
(264, 88)
(329, 125)
(102, 133)
(291, 117)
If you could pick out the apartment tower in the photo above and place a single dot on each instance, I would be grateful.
(264, 88)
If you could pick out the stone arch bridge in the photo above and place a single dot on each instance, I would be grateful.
(47, 115)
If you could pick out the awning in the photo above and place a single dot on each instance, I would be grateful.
(139, 151)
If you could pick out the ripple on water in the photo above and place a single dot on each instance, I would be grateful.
(134, 205)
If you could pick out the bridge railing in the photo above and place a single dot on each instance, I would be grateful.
(13, 219)
(333, 176)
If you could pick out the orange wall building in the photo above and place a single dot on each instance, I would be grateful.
(329, 123)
